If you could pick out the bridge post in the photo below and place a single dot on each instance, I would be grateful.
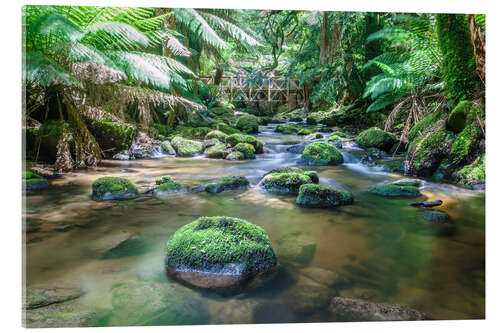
(269, 90)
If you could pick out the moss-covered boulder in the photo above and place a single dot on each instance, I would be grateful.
(432, 121)
(392, 190)
(113, 135)
(408, 182)
(32, 181)
(235, 156)
(186, 148)
(314, 136)
(285, 182)
(473, 174)
(374, 137)
(247, 149)
(248, 123)
(216, 151)
(313, 195)
(306, 131)
(221, 253)
(219, 135)
(426, 153)
(148, 303)
(286, 129)
(335, 140)
(234, 139)
(322, 153)
(466, 142)
(458, 116)
(227, 129)
(113, 188)
(167, 148)
(227, 183)
(167, 186)
(309, 173)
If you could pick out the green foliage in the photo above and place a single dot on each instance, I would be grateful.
(218, 241)
(462, 144)
(163, 180)
(458, 116)
(322, 153)
(472, 173)
(458, 58)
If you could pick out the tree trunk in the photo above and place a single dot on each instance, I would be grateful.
(324, 37)
(479, 48)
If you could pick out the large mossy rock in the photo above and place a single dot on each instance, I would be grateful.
(186, 148)
(351, 309)
(397, 189)
(113, 135)
(246, 149)
(428, 152)
(374, 137)
(473, 174)
(221, 253)
(313, 195)
(113, 188)
(286, 129)
(227, 183)
(248, 124)
(216, 151)
(322, 153)
(153, 303)
(310, 173)
(286, 182)
(227, 129)
(167, 186)
(32, 181)
(234, 139)
(221, 136)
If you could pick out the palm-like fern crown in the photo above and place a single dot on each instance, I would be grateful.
(411, 63)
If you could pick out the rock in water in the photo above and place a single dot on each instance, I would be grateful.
(322, 153)
(113, 188)
(376, 138)
(227, 183)
(351, 309)
(397, 189)
(40, 297)
(313, 195)
(435, 215)
(152, 303)
(426, 203)
(220, 253)
(32, 181)
(287, 180)
(185, 147)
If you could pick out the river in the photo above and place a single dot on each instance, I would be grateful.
(377, 244)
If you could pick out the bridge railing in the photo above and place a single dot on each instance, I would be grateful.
(251, 88)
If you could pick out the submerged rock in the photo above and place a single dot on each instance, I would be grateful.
(130, 246)
(152, 303)
(376, 138)
(400, 188)
(221, 253)
(313, 195)
(307, 299)
(185, 147)
(351, 309)
(227, 183)
(297, 248)
(324, 277)
(322, 153)
(40, 297)
(168, 186)
(32, 181)
(113, 188)
(298, 148)
(435, 215)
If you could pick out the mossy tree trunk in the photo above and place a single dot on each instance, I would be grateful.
(458, 65)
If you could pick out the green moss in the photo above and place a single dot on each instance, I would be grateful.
(113, 188)
(407, 182)
(286, 129)
(338, 133)
(225, 128)
(322, 153)
(374, 137)
(247, 149)
(113, 135)
(458, 65)
(221, 136)
(216, 151)
(309, 173)
(227, 183)
(234, 139)
(171, 187)
(287, 183)
(248, 123)
(472, 173)
(306, 131)
(391, 190)
(163, 180)
(186, 148)
(334, 138)
(428, 144)
(423, 126)
(462, 144)
(313, 175)
(32, 181)
(313, 195)
(458, 116)
(235, 156)
(217, 241)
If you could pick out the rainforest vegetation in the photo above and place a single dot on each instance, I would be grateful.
(260, 144)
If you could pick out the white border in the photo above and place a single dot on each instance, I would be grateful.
(10, 145)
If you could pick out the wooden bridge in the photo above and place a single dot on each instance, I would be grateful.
(249, 89)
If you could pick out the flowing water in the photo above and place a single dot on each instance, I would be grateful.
(379, 245)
